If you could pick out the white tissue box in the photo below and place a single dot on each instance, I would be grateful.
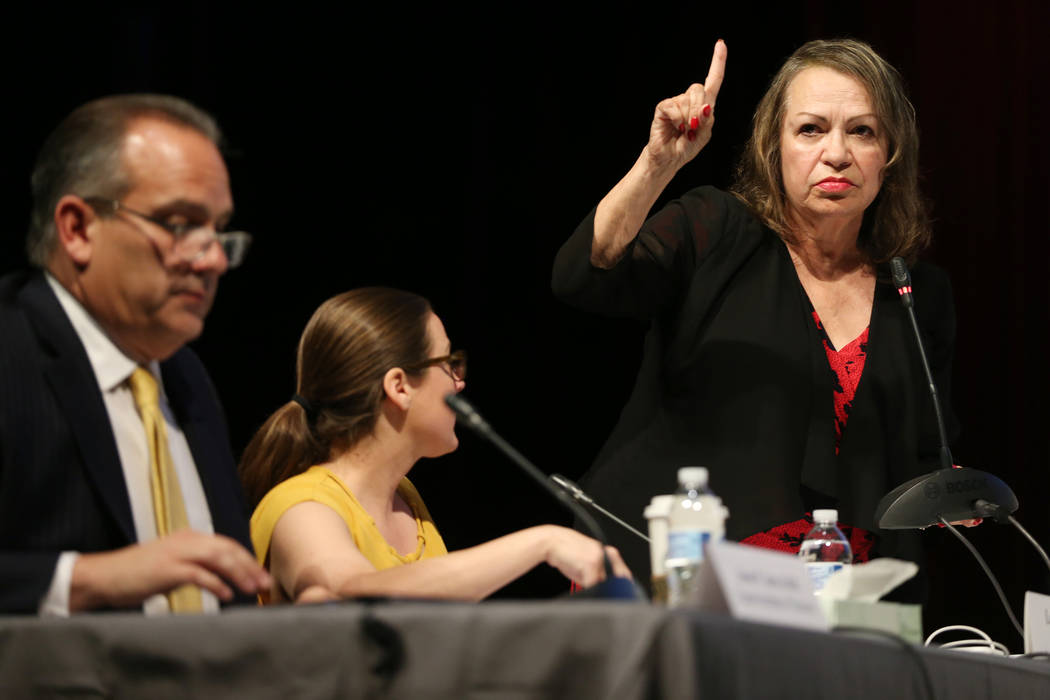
(900, 619)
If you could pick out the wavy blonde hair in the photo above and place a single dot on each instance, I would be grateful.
(896, 223)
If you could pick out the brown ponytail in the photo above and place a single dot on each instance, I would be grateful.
(348, 346)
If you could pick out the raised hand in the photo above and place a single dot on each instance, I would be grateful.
(126, 577)
(682, 125)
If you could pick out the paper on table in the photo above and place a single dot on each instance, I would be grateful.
(1036, 622)
(762, 585)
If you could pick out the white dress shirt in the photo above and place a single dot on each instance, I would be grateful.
(112, 369)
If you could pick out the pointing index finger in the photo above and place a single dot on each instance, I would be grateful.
(713, 83)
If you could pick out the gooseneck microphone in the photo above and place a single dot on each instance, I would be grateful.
(613, 586)
(951, 493)
(902, 281)
(948, 494)
(570, 487)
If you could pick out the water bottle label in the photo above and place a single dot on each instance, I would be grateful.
(820, 572)
(688, 545)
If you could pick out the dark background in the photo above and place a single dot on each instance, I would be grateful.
(451, 151)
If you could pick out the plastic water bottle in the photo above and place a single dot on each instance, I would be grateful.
(697, 517)
(824, 548)
(657, 513)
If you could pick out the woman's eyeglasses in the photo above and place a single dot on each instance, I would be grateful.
(454, 365)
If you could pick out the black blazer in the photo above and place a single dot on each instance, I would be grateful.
(734, 377)
(61, 483)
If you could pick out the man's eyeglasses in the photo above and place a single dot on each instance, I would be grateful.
(191, 241)
(454, 365)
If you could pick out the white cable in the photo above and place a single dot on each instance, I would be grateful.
(984, 642)
(964, 628)
(978, 645)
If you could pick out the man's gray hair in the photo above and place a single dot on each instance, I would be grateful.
(83, 156)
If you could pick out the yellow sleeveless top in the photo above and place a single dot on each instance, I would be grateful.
(319, 484)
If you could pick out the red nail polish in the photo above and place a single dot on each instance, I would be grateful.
(692, 136)
(681, 128)
(694, 123)
(707, 110)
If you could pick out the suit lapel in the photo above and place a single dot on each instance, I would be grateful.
(69, 374)
(192, 402)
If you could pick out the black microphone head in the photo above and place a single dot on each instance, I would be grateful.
(459, 405)
(901, 276)
(466, 411)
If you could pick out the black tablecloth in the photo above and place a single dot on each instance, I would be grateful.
(577, 649)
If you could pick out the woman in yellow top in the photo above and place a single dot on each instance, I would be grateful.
(336, 515)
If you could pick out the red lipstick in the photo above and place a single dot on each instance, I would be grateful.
(835, 184)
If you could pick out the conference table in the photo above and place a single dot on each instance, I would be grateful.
(418, 649)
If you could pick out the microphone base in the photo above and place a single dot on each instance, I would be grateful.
(617, 588)
(950, 493)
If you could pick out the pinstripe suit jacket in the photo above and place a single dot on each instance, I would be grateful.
(61, 483)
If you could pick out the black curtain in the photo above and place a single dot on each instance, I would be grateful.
(451, 151)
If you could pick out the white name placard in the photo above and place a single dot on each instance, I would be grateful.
(763, 585)
(1036, 622)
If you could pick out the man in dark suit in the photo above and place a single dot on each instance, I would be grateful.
(129, 194)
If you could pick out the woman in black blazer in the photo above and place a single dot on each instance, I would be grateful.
(778, 356)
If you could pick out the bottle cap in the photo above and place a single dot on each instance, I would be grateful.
(827, 515)
(693, 475)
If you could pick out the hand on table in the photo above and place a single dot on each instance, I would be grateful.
(579, 557)
(126, 577)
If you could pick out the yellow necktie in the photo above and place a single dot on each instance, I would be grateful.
(168, 507)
